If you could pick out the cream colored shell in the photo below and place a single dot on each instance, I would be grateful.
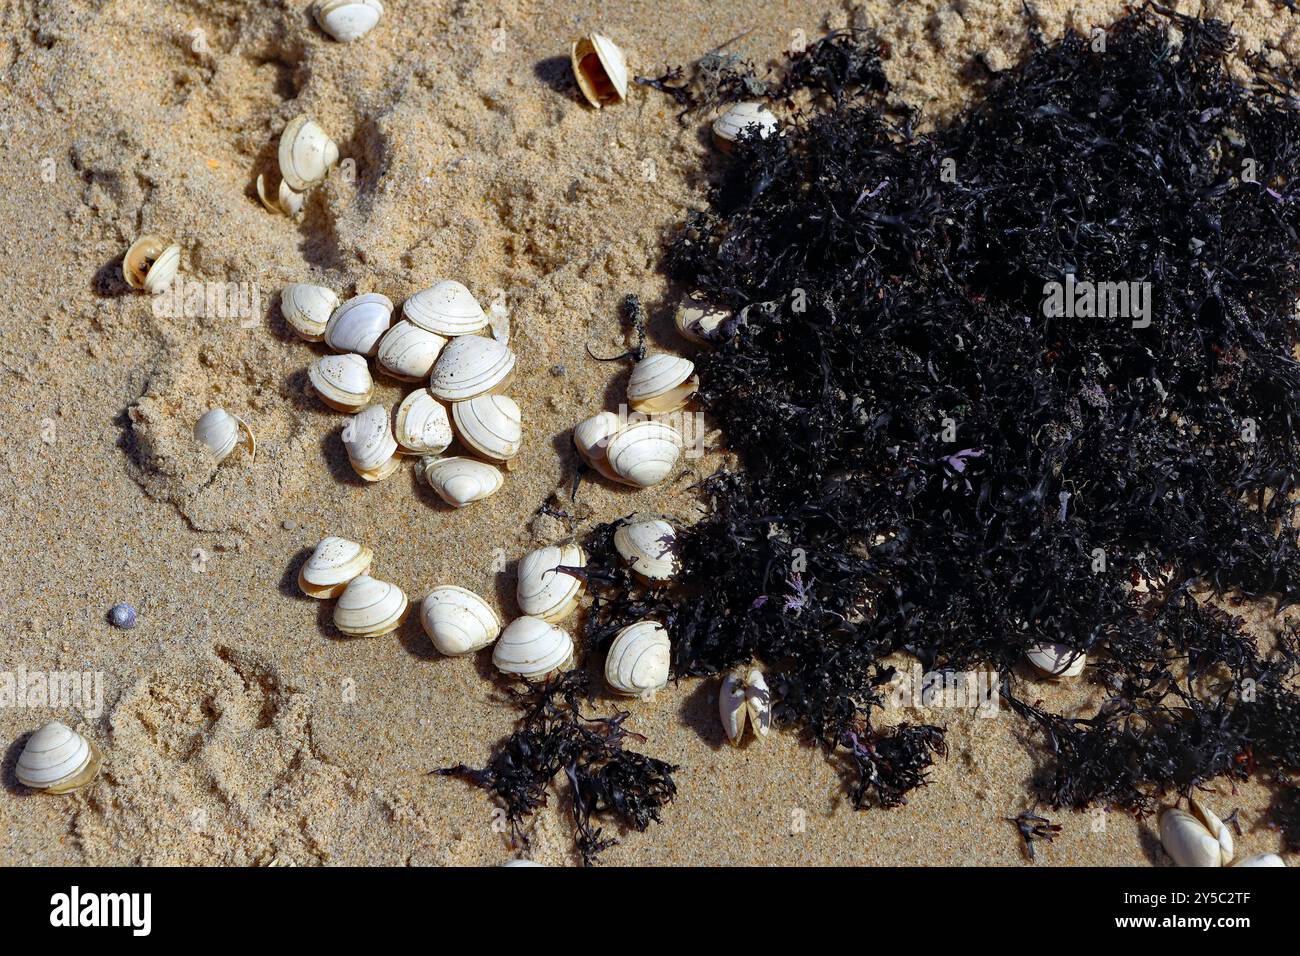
(370, 444)
(370, 608)
(458, 621)
(491, 426)
(222, 431)
(739, 117)
(745, 700)
(697, 320)
(462, 481)
(532, 648)
(591, 439)
(470, 366)
(307, 308)
(422, 426)
(57, 759)
(649, 546)
(1198, 838)
(334, 563)
(543, 592)
(644, 453)
(1056, 660)
(306, 153)
(407, 352)
(285, 201)
(600, 68)
(638, 659)
(661, 383)
(447, 308)
(359, 323)
(348, 20)
(342, 381)
(151, 264)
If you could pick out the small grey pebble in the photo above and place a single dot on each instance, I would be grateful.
(557, 370)
(288, 525)
(122, 615)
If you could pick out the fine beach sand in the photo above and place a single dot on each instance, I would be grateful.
(238, 727)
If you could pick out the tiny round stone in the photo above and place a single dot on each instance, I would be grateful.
(122, 615)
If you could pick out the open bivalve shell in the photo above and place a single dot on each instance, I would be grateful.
(662, 383)
(644, 453)
(458, 621)
(359, 323)
(334, 563)
(342, 381)
(222, 431)
(649, 546)
(490, 426)
(697, 320)
(600, 68)
(447, 308)
(348, 20)
(462, 481)
(1198, 838)
(407, 352)
(151, 264)
(739, 117)
(471, 366)
(532, 648)
(545, 593)
(745, 699)
(591, 439)
(638, 659)
(422, 426)
(307, 308)
(1056, 660)
(285, 202)
(306, 153)
(370, 444)
(57, 759)
(370, 608)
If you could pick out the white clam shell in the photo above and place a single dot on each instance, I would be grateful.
(151, 264)
(644, 453)
(661, 383)
(591, 438)
(1262, 859)
(458, 621)
(348, 20)
(745, 700)
(543, 592)
(739, 117)
(285, 201)
(57, 759)
(407, 352)
(462, 481)
(490, 426)
(638, 659)
(342, 381)
(359, 323)
(1056, 660)
(422, 426)
(697, 320)
(369, 607)
(1187, 841)
(221, 432)
(471, 366)
(307, 308)
(648, 545)
(370, 444)
(600, 68)
(447, 308)
(334, 563)
(306, 153)
(530, 647)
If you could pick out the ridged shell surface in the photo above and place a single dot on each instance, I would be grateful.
(307, 308)
(220, 432)
(422, 425)
(530, 647)
(369, 442)
(644, 453)
(462, 481)
(333, 563)
(543, 592)
(407, 352)
(739, 117)
(471, 366)
(56, 759)
(661, 383)
(306, 153)
(359, 323)
(458, 621)
(638, 659)
(648, 545)
(348, 20)
(342, 381)
(369, 607)
(490, 426)
(447, 308)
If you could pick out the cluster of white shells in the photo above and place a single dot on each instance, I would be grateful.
(1197, 837)
(366, 606)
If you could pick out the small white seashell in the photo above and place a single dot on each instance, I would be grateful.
(638, 659)
(728, 127)
(447, 308)
(1262, 859)
(348, 20)
(370, 608)
(458, 621)
(543, 592)
(1198, 838)
(57, 759)
(1056, 660)
(462, 481)
(151, 264)
(359, 323)
(407, 352)
(591, 439)
(422, 426)
(307, 308)
(697, 320)
(306, 153)
(334, 563)
(648, 545)
(221, 432)
(530, 647)
(661, 383)
(644, 453)
(285, 202)
(745, 699)
(490, 426)
(471, 366)
(519, 861)
(600, 69)
(370, 444)
(342, 381)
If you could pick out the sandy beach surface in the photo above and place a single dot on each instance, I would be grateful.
(238, 726)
